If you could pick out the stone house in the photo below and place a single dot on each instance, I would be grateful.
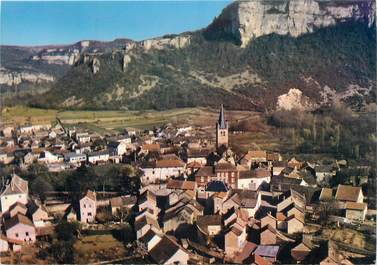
(162, 170)
(20, 228)
(295, 224)
(167, 251)
(345, 193)
(15, 191)
(88, 207)
(356, 211)
(254, 179)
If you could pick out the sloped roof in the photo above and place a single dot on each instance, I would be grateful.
(17, 219)
(347, 193)
(267, 251)
(355, 206)
(205, 172)
(17, 185)
(164, 250)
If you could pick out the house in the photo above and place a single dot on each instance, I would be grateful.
(146, 148)
(254, 179)
(209, 225)
(254, 157)
(326, 194)
(174, 184)
(235, 238)
(48, 157)
(295, 223)
(17, 208)
(184, 212)
(267, 253)
(272, 236)
(245, 253)
(15, 191)
(38, 215)
(345, 193)
(268, 220)
(88, 207)
(117, 148)
(82, 138)
(20, 228)
(162, 170)
(323, 172)
(149, 240)
(122, 202)
(75, 158)
(247, 200)
(223, 171)
(198, 155)
(98, 157)
(144, 222)
(300, 252)
(167, 251)
(278, 167)
(356, 211)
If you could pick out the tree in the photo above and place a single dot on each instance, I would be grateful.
(40, 186)
(67, 231)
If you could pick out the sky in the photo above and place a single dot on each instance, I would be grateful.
(32, 23)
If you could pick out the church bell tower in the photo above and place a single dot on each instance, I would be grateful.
(221, 130)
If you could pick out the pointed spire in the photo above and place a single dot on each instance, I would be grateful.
(221, 122)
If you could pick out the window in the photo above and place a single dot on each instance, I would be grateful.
(27, 233)
(201, 179)
(90, 206)
(84, 205)
(16, 234)
(89, 214)
(19, 196)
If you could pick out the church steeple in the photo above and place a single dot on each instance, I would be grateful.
(221, 130)
(221, 122)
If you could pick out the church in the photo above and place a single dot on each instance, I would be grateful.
(222, 130)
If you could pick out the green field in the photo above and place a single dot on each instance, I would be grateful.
(99, 120)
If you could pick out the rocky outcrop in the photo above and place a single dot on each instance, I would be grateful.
(10, 78)
(126, 61)
(294, 99)
(177, 42)
(58, 56)
(247, 20)
(95, 65)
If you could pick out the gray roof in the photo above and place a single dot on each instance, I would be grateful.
(267, 251)
(221, 122)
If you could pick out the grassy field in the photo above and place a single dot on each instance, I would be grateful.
(117, 120)
(105, 120)
(99, 247)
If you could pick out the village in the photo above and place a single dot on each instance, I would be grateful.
(192, 199)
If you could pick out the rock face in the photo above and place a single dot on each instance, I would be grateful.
(177, 42)
(95, 65)
(15, 78)
(126, 61)
(247, 20)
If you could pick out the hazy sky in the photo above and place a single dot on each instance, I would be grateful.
(46, 22)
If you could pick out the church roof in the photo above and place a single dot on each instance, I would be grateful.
(221, 122)
(17, 185)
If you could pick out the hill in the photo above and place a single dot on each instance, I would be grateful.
(232, 62)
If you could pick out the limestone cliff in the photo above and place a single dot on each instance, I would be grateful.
(10, 78)
(247, 20)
